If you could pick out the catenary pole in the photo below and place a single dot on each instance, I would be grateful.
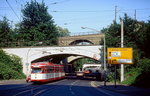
(122, 39)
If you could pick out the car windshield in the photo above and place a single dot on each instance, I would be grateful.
(36, 70)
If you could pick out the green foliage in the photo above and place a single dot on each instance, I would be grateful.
(144, 65)
(143, 79)
(135, 34)
(63, 31)
(5, 31)
(139, 76)
(110, 77)
(11, 67)
(37, 24)
(78, 63)
(112, 35)
(131, 76)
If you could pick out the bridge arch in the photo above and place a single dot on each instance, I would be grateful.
(95, 39)
(81, 42)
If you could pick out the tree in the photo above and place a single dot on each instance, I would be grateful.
(134, 34)
(63, 31)
(112, 34)
(5, 31)
(37, 24)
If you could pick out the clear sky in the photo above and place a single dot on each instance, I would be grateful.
(74, 14)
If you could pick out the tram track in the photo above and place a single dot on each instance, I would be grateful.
(41, 89)
(33, 90)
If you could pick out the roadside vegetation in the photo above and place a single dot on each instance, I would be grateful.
(137, 36)
(10, 67)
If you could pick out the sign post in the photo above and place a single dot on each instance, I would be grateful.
(119, 56)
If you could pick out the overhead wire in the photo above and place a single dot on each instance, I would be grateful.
(13, 10)
(59, 2)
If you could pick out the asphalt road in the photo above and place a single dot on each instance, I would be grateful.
(66, 87)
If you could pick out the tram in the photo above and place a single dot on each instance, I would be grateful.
(46, 71)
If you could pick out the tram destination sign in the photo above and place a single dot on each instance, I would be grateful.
(119, 56)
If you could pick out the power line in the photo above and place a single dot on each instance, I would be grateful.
(101, 10)
(12, 9)
(115, 12)
(85, 11)
(59, 2)
(136, 9)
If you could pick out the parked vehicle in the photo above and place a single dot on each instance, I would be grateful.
(92, 70)
(79, 74)
(28, 78)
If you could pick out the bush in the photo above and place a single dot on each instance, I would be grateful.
(144, 65)
(110, 77)
(143, 79)
(139, 76)
(10, 67)
(130, 77)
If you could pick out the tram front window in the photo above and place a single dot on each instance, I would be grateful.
(36, 70)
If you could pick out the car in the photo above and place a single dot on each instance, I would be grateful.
(28, 78)
(79, 74)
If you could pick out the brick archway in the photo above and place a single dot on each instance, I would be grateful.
(95, 39)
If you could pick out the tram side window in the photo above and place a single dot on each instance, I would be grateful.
(51, 69)
(36, 70)
(57, 69)
(61, 69)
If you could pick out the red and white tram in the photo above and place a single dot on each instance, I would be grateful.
(46, 71)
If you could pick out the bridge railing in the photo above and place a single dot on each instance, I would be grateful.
(84, 33)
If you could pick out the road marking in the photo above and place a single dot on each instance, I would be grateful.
(75, 82)
(27, 90)
(94, 85)
(46, 91)
(33, 88)
(70, 88)
(49, 89)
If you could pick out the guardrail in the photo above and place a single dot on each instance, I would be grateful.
(84, 33)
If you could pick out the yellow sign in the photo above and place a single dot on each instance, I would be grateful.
(119, 55)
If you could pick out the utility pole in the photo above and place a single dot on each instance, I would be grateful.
(122, 39)
(115, 12)
(135, 14)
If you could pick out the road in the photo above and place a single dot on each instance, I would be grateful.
(66, 87)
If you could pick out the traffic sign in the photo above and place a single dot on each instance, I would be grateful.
(119, 55)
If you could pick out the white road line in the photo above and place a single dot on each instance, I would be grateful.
(34, 89)
(26, 91)
(70, 88)
(45, 90)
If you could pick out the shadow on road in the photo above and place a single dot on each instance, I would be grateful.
(128, 90)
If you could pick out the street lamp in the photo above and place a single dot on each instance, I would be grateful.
(104, 45)
(27, 61)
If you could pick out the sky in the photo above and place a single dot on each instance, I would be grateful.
(74, 14)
